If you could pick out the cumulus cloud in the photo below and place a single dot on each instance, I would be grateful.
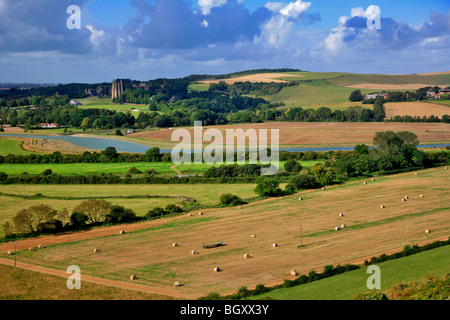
(352, 32)
(29, 25)
(207, 5)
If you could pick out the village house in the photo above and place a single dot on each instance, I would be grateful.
(75, 103)
(48, 125)
(385, 95)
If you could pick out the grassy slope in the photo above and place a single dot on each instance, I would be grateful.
(348, 285)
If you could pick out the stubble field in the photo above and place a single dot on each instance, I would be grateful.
(370, 230)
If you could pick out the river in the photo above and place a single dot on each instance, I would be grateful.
(134, 147)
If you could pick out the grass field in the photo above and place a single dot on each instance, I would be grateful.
(105, 103)
(118, 168)
(204, 194)
(148, 252)
(11, 146)
(348, 285)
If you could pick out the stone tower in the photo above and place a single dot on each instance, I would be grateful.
(119, 86)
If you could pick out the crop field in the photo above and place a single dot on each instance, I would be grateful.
(147, 252)
(321, 134)
(421, 109)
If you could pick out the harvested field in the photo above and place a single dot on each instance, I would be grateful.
(260, 77)
(381, 86)
(47, 145)
(420, 109)
(369, 231)
(323, 133)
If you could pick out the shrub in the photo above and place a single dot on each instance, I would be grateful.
(171, 208)
(155, 213)
(120, 214)
(46, 172)
(230, 199)
(134, 170)
(301, 181)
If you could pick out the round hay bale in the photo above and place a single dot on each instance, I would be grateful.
(200, 213)
(421, 196)
(190, 215)
(193, 252)
(30, 249)
(239, 207)
(294, 273)
(217, 269)
(253, 236)
(175, 244)
(406, 197)
(133, 277)
(323, 188)
(40, 246)
(365, 182)
(341, 214)
(403, 200)
(445, 168)
(300, 198)
(336, 228)
(247, 256)
(382, 206)
(416, 174)
(96, 250)
(427, 231)
(10, 253)
(343, 226)
(176, 284)
(373, 179)
(122, 232)
(275, 245)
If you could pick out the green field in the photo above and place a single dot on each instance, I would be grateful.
(117, 168)
(10, 146)
(442, 102)
(204, 194)
(346, 286)
(105, 103)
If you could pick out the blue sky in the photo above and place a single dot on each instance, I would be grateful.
(149, 39)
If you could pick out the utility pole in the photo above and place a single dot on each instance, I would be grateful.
(300, 234)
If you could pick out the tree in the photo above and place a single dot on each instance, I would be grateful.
(153, 154)
(301, 181)
(78, 219)
(323, 175)
(268, 188)
(362, 149)
(120, 214)
(95, 210)
(110, 153)
(292, 166)
(391, 143)
(356, 96)
(27, 220)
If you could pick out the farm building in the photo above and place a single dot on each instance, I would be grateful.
(48, 125)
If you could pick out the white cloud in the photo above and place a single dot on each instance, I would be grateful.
(207, 5)
(294, 9)
(205, 23)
